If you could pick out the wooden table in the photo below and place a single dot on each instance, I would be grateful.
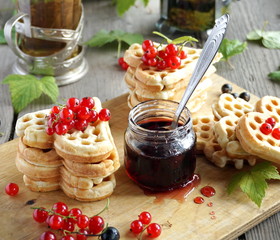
(105, 78)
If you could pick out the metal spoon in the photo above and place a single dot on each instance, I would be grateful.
(208, 53)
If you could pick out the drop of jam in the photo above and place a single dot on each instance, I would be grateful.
(212, 213)
(210, 204)
(179, 194)
(208, 191)
(199, 200)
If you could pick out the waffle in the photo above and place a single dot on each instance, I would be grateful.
(31, 127)
(40, 185)
(97, 192)
(133, 55)
(254, 141)
(227, 105)
(269, 105)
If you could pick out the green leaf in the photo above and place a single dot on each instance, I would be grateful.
(101, 38)
(2, 37)
(124, 5)
(146, 2)
(230, 48)
(274, 76)
(50, 87)
(271, 39)
(253, 182)
(131, 38)
(255, 35)
(184, 39)
(24, 90)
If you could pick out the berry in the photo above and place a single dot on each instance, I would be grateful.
(111, 233)
(96, 224)
(271, 121)
(151, 52)
(235, 95)
(82, 221)
(162, 54)
(12, 189)
(266, 128)
(173, 62)
(276, 133)
(61, 128)
(182, 54)
(69, 224)
(50, 130)
(73, 104)
(154, 230)
(161, 65)
(83, 113)
(145, 59)
(104, 114)
(66, 115)
(145, 217)
(124, 66)
(152, 62)
(81, 124)
(55, 222)
(87, 102)
(68, 237)
(39, 215)
(147, 44)
(245, 96)
(60, 208)
(55, 110)
(75, 212)
(226, 88)
(171, 49)
(82, 236)
(136, 226)
(93, 116)
(48, 236)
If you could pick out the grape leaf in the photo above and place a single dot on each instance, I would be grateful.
(274, 76)
(26, 88)
(269, 39)
(253, 183)
(2, 38)
(124, 5)
(230, 48)
(101, 38)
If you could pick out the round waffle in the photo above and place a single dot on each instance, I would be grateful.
(40, 185)
(269, 105)
(133, 55)
(254, 141)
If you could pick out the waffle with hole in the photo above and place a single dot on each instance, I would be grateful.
(148, 82)
(259, 132)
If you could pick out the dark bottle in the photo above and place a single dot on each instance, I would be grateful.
(157, 158)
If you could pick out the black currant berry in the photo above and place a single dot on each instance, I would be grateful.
(226, 88)
(245, 96)
(111, 233)
(235, 95)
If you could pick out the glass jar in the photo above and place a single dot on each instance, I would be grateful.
(157, 158)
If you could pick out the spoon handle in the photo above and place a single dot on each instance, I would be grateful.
(207, 55)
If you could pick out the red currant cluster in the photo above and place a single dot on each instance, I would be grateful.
(170, 57)
(268, 127)
(122, 63)
(76, 114)
(144, 223)
(73, 224)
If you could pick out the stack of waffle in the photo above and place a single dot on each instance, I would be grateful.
(87, 160)
(147, 83)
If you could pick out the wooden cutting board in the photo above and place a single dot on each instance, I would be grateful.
(233, 215)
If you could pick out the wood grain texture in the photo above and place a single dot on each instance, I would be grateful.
(104, 78)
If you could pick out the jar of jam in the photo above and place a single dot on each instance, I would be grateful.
(158, 158)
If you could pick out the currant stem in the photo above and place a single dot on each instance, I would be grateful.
(105, 208)
(119, 48)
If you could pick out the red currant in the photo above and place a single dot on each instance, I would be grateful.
(50, 130)
(55, 222)
(68, 237)
(182, 54)
(271, 121)
(154, 230)
(152, 62)
(61, 208)
(71, 124)
(12, 189)
(73, 104)
(147, 44)
(266, 128)
(96, 224)
(161, 65)
(48, 236)
(83, 113)
(124, 66)
(40, 215)
(104, 114)
(82, 236)
(93, 116)
(145, 59)
(151, 52)
(173, 62)
(145, 217)
(66, 115)
(68, 224)
(136, 226)
(87, 102)
(81, 124)
(171, 49)
(82, 221)
(162, 54)
(61, 128)
(276, 133)
(55, 110)
(75, 212)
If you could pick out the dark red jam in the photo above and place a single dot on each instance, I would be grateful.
(158, 163)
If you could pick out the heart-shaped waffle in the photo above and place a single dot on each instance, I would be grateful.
(227, 105)
(254, 141)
